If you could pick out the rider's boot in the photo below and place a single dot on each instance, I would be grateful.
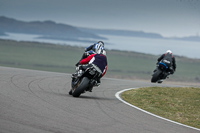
(98, 82)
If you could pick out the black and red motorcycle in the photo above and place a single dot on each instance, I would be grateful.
(83, 81)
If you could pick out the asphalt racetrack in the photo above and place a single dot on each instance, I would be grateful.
(38, 102)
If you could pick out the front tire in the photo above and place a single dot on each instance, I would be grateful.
(81, 87)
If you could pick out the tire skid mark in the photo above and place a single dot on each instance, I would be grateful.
(12, 81)
(49, 101)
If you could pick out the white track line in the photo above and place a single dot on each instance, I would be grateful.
(117, 95)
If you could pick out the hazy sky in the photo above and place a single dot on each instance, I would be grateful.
(167, 17)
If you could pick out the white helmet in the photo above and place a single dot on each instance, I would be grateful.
(98, 47)
(104, 52)
(101, 51)
(169, 51)
(101, 43)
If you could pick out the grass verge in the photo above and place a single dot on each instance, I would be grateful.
(180, 104)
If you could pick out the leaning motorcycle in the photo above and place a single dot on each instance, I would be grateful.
(161, 71)
(83, 81)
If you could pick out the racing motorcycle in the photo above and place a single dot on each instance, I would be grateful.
(83, 81)
(161, 72)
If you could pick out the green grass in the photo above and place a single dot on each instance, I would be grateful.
(177, 104)
(38, 56)
(62, 58)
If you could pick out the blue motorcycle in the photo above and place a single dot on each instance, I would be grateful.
(161, 72)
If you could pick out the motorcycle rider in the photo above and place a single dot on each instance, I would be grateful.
(98, 61)
(169, 57)
(92, 49)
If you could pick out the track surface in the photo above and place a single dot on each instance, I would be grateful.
(38, 102)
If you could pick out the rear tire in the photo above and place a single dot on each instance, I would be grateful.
(81, 88)
(156, 76)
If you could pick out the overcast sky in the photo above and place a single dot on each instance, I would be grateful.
(167, 17)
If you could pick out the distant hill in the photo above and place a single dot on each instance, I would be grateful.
(123, 33)
(189, 38)
(47, 29)
(57, 31)
(140, 34)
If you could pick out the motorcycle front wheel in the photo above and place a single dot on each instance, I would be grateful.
(156, 76)
(76, 92)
